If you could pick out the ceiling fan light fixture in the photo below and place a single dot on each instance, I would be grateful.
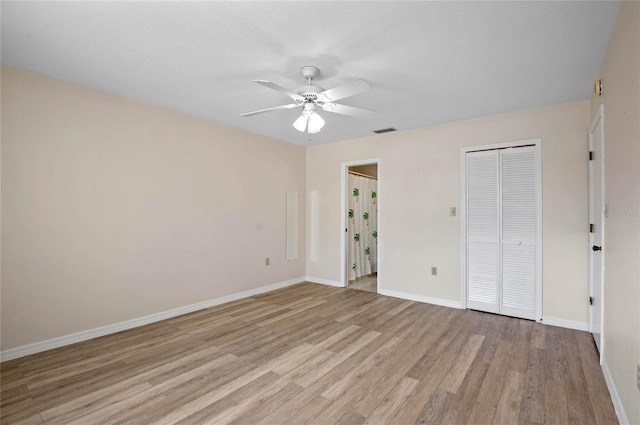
(301, 123)
(315, 123)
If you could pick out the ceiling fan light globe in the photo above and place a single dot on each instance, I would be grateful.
(315, 123)
(301, 123)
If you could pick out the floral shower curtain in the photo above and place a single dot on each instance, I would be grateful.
(362, 225)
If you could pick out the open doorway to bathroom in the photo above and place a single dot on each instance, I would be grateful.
(362, 227)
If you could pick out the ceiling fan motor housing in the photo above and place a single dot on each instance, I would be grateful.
(310, 92)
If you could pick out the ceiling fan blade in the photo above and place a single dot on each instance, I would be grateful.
(347, 110)
(274, 86)
(350, 89)
(275, 108)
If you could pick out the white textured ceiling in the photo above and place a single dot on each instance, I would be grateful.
(428, 62)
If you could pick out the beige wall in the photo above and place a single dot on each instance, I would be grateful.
(419, 178)
(112, 209)
(621, 98)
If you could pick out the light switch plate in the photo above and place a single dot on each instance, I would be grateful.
(434, 271)
(452, 211)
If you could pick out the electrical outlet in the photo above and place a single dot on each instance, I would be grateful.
(267, 261)
(452, 211)
(434, 271)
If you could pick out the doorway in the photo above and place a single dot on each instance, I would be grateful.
(360, 215)
(596, 228)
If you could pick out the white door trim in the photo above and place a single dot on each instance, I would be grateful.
(599, 117)
(537, 143)
(344, 166)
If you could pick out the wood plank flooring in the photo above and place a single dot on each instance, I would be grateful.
(366, 283)
(313, 354)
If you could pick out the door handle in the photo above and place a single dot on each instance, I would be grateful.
(597, 248)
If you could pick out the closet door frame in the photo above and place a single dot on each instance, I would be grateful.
(537, 144)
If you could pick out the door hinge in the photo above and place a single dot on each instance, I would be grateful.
(591, 155)
(592, 228)
(597, 87)
(590, 300)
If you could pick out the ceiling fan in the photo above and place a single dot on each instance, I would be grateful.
(311, 97)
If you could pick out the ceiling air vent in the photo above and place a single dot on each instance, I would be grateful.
(385, 130)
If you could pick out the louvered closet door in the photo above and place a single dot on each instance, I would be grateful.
(501, 231)
(519, 228)
(483, 243)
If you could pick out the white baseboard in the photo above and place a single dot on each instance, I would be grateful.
(324, 281)
(615, 397)
(420, 298)
(580, 326)
(37, 347)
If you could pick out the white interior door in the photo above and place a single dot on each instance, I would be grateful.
(518, 231)
(502, 230)
(483, 243)
(596, 234)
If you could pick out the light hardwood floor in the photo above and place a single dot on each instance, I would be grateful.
(319, 355)
(367, 283)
